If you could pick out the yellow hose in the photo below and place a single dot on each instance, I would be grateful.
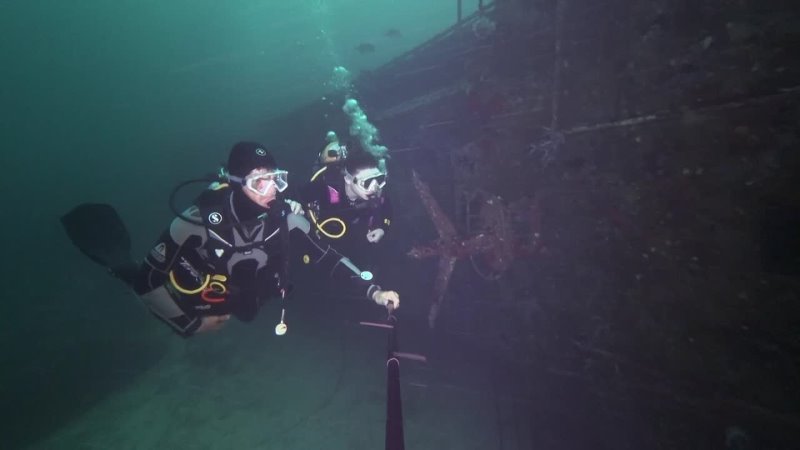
(326, 221)
(187, 291)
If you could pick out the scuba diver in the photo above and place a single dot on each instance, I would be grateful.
(225, 255)
(346, 199)
(332, 152)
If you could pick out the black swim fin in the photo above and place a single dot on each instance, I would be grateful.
(98, 231)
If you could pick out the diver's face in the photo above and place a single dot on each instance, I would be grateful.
(332, 153)
(269, 189)
(367, 183)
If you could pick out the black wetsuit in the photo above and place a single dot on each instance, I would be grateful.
(325, 197)
(232, 259)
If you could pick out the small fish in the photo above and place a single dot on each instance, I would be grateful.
(393, 33)
(365, 47)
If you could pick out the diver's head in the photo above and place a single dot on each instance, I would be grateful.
(253, 167)
(362, 176)
(333, 152)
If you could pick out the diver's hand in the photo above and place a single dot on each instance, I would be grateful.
(375, 235)
(383, 298)
(212, 323)
(296, 207)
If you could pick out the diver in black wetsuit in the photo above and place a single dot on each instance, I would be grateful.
(225, 255)
(346, 200)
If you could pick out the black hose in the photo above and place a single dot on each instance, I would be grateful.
(394, 401)
(180, 186)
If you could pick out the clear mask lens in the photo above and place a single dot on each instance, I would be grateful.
(262, 182)
(373, 183)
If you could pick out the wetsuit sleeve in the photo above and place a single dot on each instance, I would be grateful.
(384, 214)
(327, 260)
(181, 240)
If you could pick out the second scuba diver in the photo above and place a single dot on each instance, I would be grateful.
(346, 198)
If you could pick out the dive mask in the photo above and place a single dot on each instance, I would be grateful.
(260, 183)
(371, 181)
(334, 150)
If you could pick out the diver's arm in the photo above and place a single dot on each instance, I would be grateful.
(380, 220)
(327, 259)
(151, 283)
(384, 214)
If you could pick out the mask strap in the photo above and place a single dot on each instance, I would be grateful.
(225, 175)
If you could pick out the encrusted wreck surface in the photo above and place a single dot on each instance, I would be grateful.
(646, 154)
(657, 141)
